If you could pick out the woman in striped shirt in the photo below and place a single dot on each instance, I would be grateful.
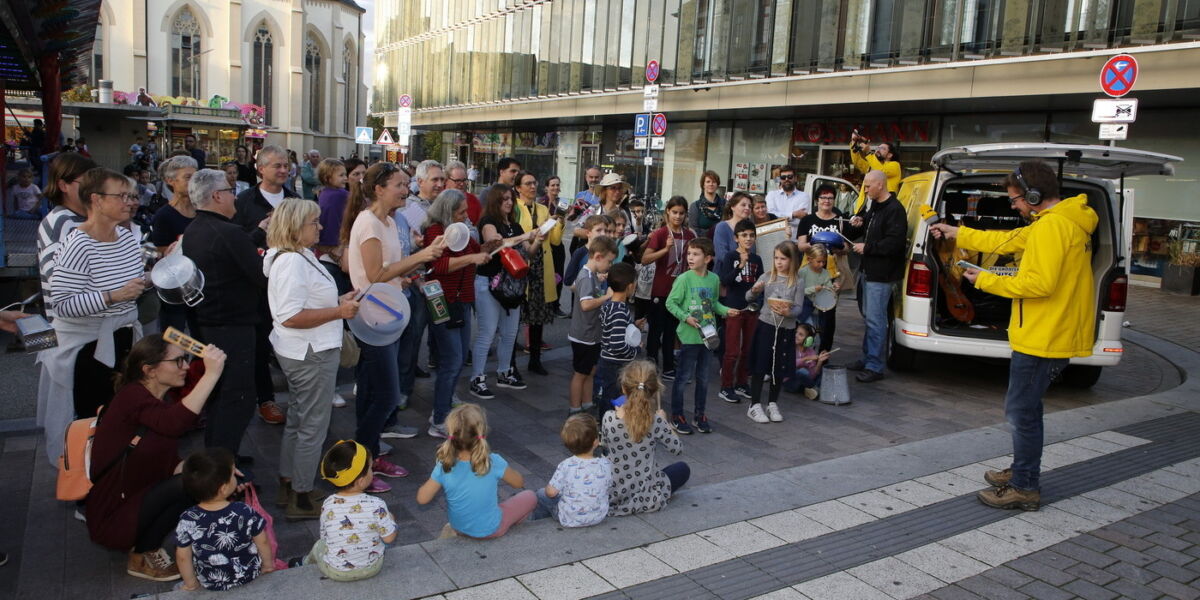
(95, 287)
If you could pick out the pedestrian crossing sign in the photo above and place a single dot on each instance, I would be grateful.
(385, 139)
(362, 135)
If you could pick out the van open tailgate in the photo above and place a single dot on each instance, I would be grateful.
(1105, 162)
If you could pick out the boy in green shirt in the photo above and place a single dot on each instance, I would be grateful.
(693, 300)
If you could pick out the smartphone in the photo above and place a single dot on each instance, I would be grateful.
(968, 265)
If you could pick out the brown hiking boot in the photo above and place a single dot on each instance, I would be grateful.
(998, 478)
(1009, 497)
(154, 565)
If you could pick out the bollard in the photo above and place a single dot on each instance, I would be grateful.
(835, 388)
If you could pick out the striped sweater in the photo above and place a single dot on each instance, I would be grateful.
(52, 231)
(87, 268)
(614, 319)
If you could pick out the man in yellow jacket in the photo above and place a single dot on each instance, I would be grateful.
(1053, 312)
(883, 157)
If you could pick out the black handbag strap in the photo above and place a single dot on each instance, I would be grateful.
(133, 442)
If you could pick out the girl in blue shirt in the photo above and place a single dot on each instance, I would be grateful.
(470, 473)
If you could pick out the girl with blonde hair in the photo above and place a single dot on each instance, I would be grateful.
(772, 352)
(470, 473)
(630, 433)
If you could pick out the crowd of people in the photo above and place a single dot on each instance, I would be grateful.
(283, 271)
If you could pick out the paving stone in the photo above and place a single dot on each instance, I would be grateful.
(1136, 591)
(1128, 441)
(1125, 541)
(741, 538)
(1092, 510)
(1169, 555)
(505, 589)
(1037, 569)
(1060, 521)
(783, 594)
(942, 562)
(835, 515)
(568, 582)
(1045, 591)
(877, 503)
(629, 567)
(1092, 442)
(1024, 534)
(1168, 541)
(951, 483)
(1131, 527)
(990, 589)
(1131, 572)
(1089, 591)
(1120, 499)
(896, 578)
(1131, 556)
(985, 548)
(1189, 468)
(1092, 574)
(1090, 541)
(1160, 521)
(1079, 553)
(1174, 589)
(790, 526)
(839, 586)
(1149, 490)
(1184, 483)
(688, 552)
(1175, 572)
(1008, 576)
(953, 592)
(915, 493)
(1062, 454)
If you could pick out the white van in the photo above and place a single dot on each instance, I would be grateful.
(938, 311)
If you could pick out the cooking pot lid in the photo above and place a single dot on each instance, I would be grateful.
(174, 271)
(457, 236)
(383, 313)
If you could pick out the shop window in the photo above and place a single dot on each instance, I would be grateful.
(262, 70)
(186, 55)
(314, 91)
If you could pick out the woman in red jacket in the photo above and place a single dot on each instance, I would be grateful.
(138, 494)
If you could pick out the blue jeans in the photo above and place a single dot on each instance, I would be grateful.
(694, 360)
(1028, 378)
(493, 320)
(606, 386)
(546, 507)
(410, 341)
(876, 296)
(452, 345)
(378, 391)
(800, 380)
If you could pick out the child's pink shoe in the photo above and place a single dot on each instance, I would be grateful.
(385, 468)
(378, 486)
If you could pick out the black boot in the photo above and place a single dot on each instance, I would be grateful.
(535, 364)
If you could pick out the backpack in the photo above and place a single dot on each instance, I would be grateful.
(75, 463)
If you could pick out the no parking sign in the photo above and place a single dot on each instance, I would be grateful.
(1118, 74)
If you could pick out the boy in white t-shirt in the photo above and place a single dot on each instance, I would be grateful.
(578, 491)
(354, 525)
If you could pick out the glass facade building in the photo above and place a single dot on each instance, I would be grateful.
(749, 85)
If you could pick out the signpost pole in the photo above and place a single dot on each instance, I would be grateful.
(652, 68)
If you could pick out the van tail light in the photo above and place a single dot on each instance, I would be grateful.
(920, 280)
(1115, 292)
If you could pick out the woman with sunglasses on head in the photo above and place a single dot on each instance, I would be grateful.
(138, 495)
(95, 287)
(374, 254)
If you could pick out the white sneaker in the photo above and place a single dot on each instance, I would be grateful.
(773, 412)
(338, 401)
(811, 393)
(756, 414)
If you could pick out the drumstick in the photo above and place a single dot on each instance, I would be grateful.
(181, 339)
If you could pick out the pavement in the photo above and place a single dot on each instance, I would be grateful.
(871, 499)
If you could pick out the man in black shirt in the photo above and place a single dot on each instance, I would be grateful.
(189, 144)
(234, 287)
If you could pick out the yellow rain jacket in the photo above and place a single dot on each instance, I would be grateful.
(529, 223)
(869, 162)
(1054, 296)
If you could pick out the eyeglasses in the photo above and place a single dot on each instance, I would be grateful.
(787, 176)
(181, 361)
(463, 180)
(1013, 199)
(228, 189)
(127, 198)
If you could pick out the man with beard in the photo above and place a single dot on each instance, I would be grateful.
(789, 201)
(883, 157)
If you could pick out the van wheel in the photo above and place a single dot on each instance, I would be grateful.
(901, 358)
(1080, 376)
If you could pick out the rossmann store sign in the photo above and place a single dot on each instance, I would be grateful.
(915, 131)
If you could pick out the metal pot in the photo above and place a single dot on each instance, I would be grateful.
(178, 280)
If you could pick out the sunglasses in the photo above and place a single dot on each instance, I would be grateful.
(787, 176)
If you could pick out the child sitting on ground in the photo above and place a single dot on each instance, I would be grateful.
(222, 544)
(809, 362)
(469, 473)
(615, 350)
(630, 433)
(354, 524)
(578, 491)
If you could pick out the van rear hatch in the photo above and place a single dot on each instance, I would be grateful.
(1105, 162)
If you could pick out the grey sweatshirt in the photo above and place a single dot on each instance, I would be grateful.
(779, 288)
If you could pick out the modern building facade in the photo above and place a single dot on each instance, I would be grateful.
(749, 84)
(301, 60)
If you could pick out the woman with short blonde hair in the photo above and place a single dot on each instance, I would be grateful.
(306, 315)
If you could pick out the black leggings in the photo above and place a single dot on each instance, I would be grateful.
(662, 335)
(756, 386)
(827, 322)
(159, 513)
(678, 473)
(93, 379)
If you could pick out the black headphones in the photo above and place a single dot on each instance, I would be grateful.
(1033, 196)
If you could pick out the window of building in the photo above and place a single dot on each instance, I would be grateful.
(98, 56)
(262, 71)
(348, 108)
(185, 55)
(314, 89)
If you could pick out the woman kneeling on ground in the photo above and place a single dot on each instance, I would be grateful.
(138, 493)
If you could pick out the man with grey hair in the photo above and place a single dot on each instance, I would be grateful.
(255, 204)
(254, 207)
(592, 175)
(430, 182)
(234, 287)
(458, 178)
(308, 173)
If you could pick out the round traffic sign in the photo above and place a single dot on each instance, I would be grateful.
(1118, 74)
(652, 71)
(658, 124)
(405, 101)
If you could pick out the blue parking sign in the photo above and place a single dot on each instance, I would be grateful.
(641, 125)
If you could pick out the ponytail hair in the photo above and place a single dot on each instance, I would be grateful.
(467, 429)
(363, 194)
(642, 388)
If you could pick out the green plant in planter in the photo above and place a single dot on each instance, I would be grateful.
(1180, 257)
